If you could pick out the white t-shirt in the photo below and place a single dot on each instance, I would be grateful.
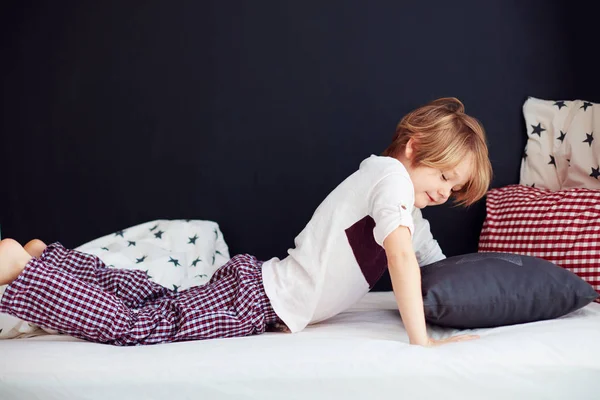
(339, 255)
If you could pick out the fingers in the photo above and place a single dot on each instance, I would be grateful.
(451, 339)
(461, 338)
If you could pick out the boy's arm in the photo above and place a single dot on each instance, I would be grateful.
(406, 282)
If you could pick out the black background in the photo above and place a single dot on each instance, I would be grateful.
(249, 113)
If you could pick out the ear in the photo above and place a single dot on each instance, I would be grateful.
(409, 149)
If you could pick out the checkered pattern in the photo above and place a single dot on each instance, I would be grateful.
(76, 294)
(561, 226)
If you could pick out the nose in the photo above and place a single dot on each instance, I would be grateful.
(444, 194)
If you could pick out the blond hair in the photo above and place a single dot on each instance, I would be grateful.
(443, 135)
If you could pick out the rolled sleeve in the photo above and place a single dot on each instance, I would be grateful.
(390, 204)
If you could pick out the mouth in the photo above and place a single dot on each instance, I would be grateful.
(430, 198)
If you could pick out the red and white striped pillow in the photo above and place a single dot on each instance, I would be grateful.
(559, 226)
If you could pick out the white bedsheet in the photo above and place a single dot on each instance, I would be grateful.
(361, 353)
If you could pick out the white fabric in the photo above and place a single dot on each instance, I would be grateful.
(321, 276)
(563, 145)
(425, 246)
(176, 254)
(362, 353)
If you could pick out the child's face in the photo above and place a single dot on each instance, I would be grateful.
(434, 186)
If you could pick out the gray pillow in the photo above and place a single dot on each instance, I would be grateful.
(482, 290)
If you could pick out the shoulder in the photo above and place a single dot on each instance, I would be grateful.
(383, 171)
(386, 173)
(383, 164)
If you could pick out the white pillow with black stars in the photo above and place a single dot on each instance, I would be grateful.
(561, 151)
(177, 254)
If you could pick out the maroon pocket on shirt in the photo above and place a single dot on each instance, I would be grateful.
(369, 255)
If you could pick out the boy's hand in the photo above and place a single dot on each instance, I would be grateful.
(451, 339)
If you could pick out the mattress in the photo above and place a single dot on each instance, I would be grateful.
(362, 352)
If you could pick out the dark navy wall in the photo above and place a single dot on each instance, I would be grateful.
(249, 112)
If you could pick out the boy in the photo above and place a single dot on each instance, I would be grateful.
(368, 223)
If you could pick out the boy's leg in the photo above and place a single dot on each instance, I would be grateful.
(233, 303)
(49, 296)
(131, 286)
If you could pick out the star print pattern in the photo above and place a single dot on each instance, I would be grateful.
(559, 104)
(561, 152)
(537, 129)
(177, 254)
(195, 262)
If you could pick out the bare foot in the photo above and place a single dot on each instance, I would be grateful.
(13, 259)
(35, 247)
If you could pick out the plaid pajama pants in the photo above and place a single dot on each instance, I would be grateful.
(77, 294)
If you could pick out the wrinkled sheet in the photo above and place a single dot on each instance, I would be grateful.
(358, 354)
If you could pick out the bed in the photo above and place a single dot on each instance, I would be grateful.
(360, 353)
